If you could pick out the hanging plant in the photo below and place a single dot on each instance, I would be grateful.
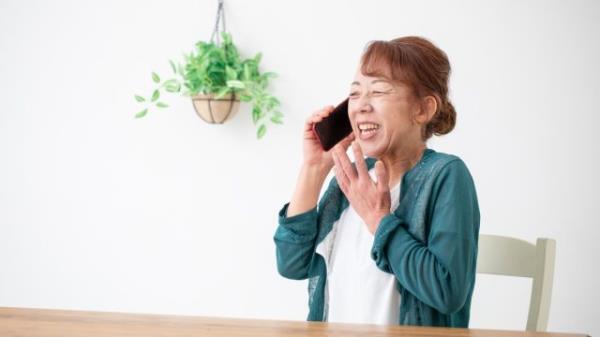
(217, 78)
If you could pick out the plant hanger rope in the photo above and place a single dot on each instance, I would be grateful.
(219, 19)
(209, 101)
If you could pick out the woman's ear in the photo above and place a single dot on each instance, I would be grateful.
(428, 107)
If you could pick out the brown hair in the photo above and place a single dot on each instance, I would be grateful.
(422, 66)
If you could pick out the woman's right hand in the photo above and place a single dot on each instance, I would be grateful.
(314, 156)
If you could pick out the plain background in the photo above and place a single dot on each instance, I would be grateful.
(168, 214)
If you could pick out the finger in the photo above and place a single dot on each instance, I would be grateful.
(316, 119)
(311, 121)
(325, 111)
(341, 182)
(339, 173)
(361, 166)
(322, 110)
(383, 178)
(318, 114)
(345, 163)
(308, 128)
(347, 141)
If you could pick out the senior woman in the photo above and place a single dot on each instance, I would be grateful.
(394, 237)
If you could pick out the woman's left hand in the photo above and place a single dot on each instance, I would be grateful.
(371, 200)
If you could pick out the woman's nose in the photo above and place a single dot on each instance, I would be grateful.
(364, 104)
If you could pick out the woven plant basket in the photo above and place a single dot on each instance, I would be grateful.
(216, 111)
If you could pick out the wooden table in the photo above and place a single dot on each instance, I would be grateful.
(62, 323)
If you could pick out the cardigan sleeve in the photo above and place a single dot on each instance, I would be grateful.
(295, 239)
(441, 271)
(294, 243)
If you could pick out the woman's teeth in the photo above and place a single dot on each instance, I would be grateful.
(367, 130)
(368, 126)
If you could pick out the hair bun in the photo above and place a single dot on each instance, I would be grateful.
(444, 120)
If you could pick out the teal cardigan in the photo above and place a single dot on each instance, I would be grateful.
(429, 243)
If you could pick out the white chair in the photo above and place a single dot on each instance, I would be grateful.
(501, 255)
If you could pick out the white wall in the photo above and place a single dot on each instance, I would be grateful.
(167, 214)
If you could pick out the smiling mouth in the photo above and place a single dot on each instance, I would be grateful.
(368, 130)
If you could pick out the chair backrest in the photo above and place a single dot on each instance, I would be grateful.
(501, 255)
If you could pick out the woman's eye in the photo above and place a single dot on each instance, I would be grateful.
(353, 94)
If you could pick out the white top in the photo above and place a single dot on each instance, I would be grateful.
(358, 291)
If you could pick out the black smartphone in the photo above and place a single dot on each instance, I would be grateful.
(335, 127)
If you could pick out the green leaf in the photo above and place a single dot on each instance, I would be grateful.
(155, 77)
(173, 66)
(261, 131)
(271, 102)
(276, 120)
(173, 87)
(139, 98)
(236, 84)
(231, 74)
(162, 105)
(268, 75)
(155, 95)
(255, 114)
(245, 98)
(141, 113)
(257, 58)
(226, 37)
(246, 72)
(222, 93)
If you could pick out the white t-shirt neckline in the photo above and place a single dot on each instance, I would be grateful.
(357, 291)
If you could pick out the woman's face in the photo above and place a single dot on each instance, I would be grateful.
(381, 115)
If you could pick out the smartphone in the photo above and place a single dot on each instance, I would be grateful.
(335, 127)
